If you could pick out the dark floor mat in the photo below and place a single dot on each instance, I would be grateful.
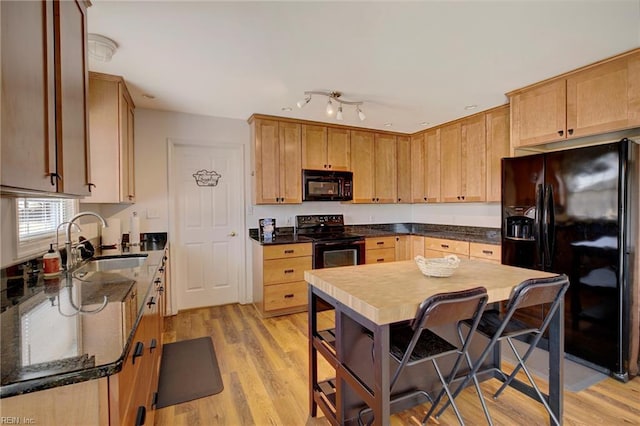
(189, 370)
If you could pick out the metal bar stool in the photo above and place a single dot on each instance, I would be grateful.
(413, 342)
(498, 327)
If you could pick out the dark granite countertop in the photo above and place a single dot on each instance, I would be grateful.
(48, 327)
(451, 232)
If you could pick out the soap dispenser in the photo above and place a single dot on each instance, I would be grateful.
(51, 263)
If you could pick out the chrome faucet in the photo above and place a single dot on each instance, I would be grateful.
(67, 244)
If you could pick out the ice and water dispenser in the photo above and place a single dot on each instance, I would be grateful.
(520, 222)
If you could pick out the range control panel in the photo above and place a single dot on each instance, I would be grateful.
(310, 221)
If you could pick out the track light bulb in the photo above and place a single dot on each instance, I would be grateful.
(329, 108)
(301, 103)
(361, 115)
(339, 113)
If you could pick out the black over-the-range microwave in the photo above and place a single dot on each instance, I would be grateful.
(321, 185)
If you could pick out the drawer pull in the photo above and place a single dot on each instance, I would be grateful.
(141, 415)
(161, 269)
(157, 281)
(289, 271)
(380, 260)
(489, 252)
(380, 243)
(137, 351)
(445, 246)
(289, 251)
(153, 345)
(288, 296)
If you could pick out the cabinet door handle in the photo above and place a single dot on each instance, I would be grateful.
(153, 345)
(445, 246)
(329, 165)
(157, 281)
(141, 415)
(560, 132)
(161, 269)
(570, 131)
(425, 198)
(55, 176)
(90, 185)
(288, 296)
(487, 252)
(291, 251)
(288, 271)
(137, 352)
(151, 302)
(399, 199)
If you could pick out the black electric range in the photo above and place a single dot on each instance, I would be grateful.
(332, 246)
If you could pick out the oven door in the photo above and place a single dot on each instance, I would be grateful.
(331, 254)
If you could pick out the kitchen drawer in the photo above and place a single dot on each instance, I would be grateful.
(380, 242)
(485, 251)
(281, 251)
(448, 246)
(380, 255)
(437, 253)
(288, 295)
(286, 270)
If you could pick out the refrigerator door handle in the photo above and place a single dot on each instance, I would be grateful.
(548, 226)
(537, 221)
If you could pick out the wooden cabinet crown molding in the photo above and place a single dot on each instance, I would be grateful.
(319, 123)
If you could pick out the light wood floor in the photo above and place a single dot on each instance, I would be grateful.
(265, 373)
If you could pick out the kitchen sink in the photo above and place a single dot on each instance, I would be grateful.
(111, 263)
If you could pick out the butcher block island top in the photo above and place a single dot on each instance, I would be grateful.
(391, 292)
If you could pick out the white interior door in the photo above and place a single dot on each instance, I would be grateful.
(207, 196)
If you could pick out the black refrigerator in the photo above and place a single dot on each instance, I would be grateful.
(575, 212)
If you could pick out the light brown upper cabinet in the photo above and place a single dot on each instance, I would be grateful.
(404, 169)
(325, 148)
(600, 98)
(497, 148)
(425, 167)
(374, 165)
(45, 133)
(111, 124)
(277, 161)
(463, 163)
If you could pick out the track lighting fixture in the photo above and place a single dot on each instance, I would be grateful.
(329, 108)
(301, 103)
(333, 96)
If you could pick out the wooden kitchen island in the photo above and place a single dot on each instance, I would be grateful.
(366, 300)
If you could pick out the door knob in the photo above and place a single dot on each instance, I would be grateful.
(233, 234)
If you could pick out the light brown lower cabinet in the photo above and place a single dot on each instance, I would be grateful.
(380, 249)
(439, 247)
(488, 252)
(278, 277)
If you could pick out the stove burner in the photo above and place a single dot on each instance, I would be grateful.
(322, 228)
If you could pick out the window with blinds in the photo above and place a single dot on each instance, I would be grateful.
(38, 218)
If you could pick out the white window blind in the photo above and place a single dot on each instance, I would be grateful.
(38, 218)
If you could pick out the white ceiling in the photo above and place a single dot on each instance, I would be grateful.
(410, 62)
